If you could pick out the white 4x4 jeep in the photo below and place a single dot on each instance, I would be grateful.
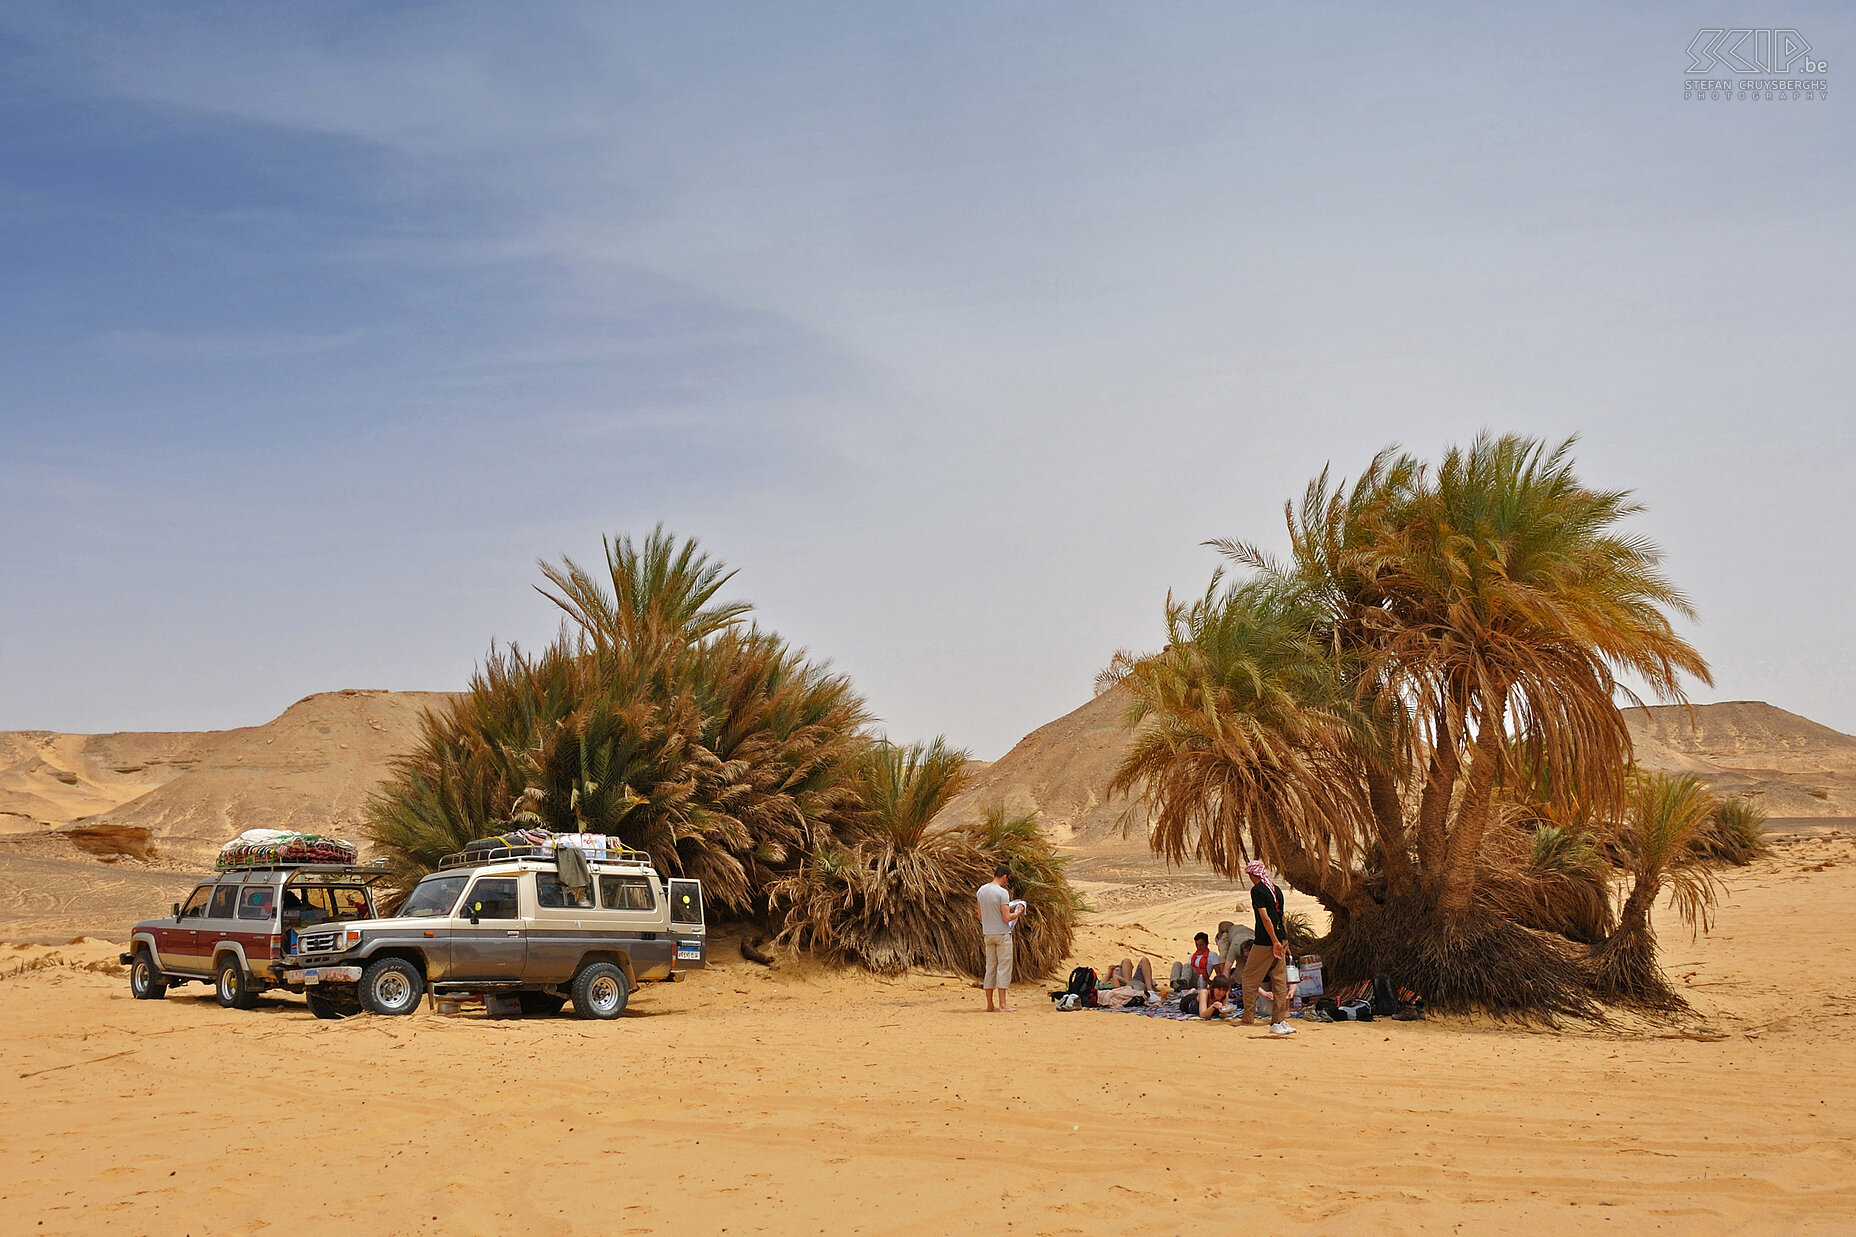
(502, 922)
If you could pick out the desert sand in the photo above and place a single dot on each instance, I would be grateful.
(747, 1100)
(795, 1100)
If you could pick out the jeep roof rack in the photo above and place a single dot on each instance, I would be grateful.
(612, 852)
(369, 872)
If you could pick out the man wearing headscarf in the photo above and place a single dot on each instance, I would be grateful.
(1267, 961)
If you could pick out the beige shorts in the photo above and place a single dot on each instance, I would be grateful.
(998, 961)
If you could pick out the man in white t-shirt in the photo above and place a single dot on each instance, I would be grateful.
(997, 915)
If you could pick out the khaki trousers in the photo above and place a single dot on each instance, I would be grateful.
(1263, 966)
(998, 960)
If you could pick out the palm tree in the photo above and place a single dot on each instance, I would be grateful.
(1663, 817)
(657, 717)
(897, 893)
(1364, 708)
(1735, 835)
(1243, 727)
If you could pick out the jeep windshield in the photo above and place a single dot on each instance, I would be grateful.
(433, 897)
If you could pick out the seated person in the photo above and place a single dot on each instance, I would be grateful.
(1129, 974)
(1201, 966)
(1216, 1000)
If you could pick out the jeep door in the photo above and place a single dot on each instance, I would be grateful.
(495, 946)
(174, 940)
(686, 923)
(220, 924)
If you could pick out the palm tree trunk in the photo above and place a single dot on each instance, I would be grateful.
(1389, 819)
(1434, 803)
(1459, 872)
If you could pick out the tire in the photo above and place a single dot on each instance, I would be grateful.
(600, 991)
(541, 1003)
(330, 1008)
(146, 983)
(232, 987)
(391, 986)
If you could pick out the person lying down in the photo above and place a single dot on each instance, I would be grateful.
(1125, 982)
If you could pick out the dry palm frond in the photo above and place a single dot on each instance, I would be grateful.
(1555, 879)
(1486, 962)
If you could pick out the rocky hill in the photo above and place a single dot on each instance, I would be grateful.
(179, 796)
(1790, 765)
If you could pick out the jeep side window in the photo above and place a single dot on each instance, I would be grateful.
(493, 897)
(550, 893)
(225, 902)
(196, 905)
(626, 893)
(255, 902)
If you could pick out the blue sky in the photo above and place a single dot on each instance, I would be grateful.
(956, 329)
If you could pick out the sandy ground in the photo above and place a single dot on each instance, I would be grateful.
(752, 1101)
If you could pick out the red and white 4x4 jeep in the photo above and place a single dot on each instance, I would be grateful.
(235, 930)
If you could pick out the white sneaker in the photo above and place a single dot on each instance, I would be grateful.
(1281, 1028)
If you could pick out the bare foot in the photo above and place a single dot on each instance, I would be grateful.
(1008, 1009)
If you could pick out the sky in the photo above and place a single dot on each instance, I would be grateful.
(955, 329)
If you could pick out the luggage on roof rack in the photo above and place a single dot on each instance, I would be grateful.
(282, 848)
(539, 844)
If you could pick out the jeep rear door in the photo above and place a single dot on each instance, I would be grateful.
(686, 923)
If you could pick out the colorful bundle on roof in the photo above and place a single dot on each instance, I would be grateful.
(258, 848)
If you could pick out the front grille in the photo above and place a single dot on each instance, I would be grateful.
(317, 942)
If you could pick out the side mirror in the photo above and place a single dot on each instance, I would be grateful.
(476, 909)
(177, 912)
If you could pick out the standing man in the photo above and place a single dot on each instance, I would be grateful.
(1267, 958)
(997, 915)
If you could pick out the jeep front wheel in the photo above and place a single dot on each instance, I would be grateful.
(600, 991)
(231, 986)
(391, 986)
(145, 982)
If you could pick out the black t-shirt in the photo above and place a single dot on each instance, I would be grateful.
(1266, 902)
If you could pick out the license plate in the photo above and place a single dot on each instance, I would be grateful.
(689, 953)
(312, 977)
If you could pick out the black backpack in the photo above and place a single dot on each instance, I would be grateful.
(1385, 997)
(1083, 984)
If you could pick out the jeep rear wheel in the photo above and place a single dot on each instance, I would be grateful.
(328, 1007)
(391, 986)
(231, 986)
(600, 991)
(145, 982)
